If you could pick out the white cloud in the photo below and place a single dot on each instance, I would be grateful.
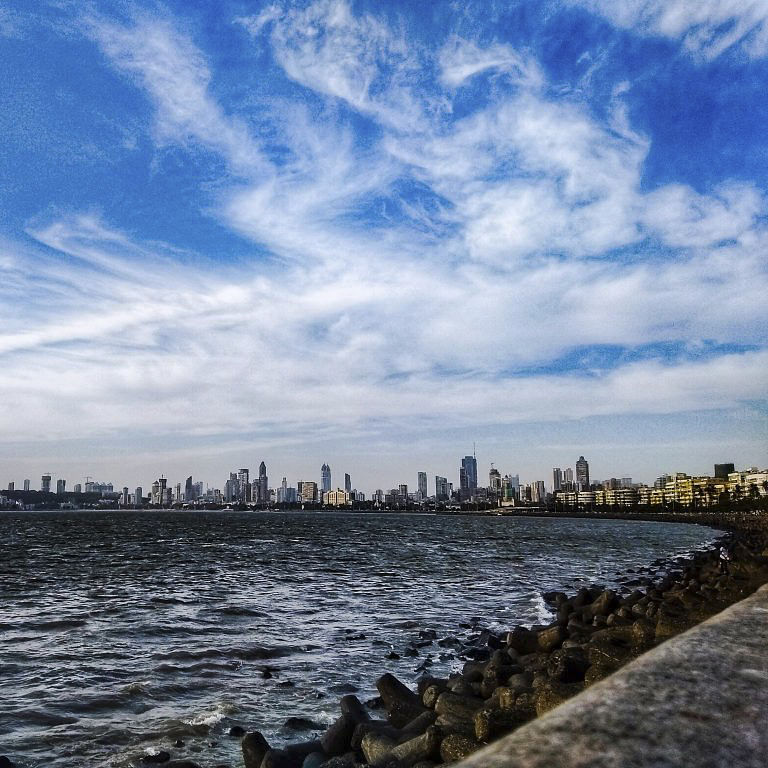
(460, 60)
(372, 309)
(357, 59)
(706, 28)
(176, 76)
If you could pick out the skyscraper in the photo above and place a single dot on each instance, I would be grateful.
(61, 486)
(138, 496)
(582, 474)
(469, 465)
(26, 485)
(441, 488)
(11, 485)
(557, 479)
(45, 483)
(325, 478)
(422, 485)
(494, 481)
(347, 482)
(189, 490)
(244, 479)
(723, 470)
(263, 491)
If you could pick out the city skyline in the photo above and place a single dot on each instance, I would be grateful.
(428, 486)
(379, 233)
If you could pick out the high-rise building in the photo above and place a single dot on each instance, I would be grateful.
(244, 481)
(61, 486)
(510, 487)
(469, 465)
(557, 478)
(262, 495)
(422, 485)
(125, 500)
(539, 493)
(11, 485)
(568, 477)
(26, 485)
(582, 474)
(441, 488)
(78, 488)
(494, 481)
(403, 492)
(347, 482)
(325, 478)
(723, 470)
(189, 490)
(45, 483)
(307, 491)
(138, 496)
(177, 497)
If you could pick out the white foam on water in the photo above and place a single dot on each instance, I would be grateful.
(219, 712)
(543, 611)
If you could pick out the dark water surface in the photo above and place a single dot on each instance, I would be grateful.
(122, 632)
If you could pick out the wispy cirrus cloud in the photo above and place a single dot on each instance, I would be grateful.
(706, 28)
(443, 264)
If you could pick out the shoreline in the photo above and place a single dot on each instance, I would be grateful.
(510, 678)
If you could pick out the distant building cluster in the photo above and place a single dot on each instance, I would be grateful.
(571, 488)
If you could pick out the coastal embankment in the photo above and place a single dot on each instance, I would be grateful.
(515, 678)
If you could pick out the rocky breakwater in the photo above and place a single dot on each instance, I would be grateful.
(516, 677)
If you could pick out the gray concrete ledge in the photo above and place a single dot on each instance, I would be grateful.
(699, 700)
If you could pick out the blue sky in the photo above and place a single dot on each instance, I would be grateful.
(371, 234)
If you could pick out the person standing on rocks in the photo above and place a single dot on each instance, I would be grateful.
(724, 558)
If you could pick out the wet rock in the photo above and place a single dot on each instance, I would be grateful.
(604, 603)
(302, 724)
(237, 731)
(373, 726)
(401, 703)
(428, 634)
(493, 721)
(643, 635)
(254, 746)
(392, 655)
(523, 640)
(336, 740)
(352, 707)
(342, 761)
(456, 746)
(156, 758)
(178, 744)
(457, 707)
(290, 756)
(424, 747)
(568, 665)
(550, 639)
(419, 724)
(6, 762)
(554, 693)
(314, 760)
(377, 747)
(473, 671)
(521, 681)
(554, 598)
(178, 764)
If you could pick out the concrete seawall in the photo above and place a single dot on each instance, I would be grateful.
(699, 699)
